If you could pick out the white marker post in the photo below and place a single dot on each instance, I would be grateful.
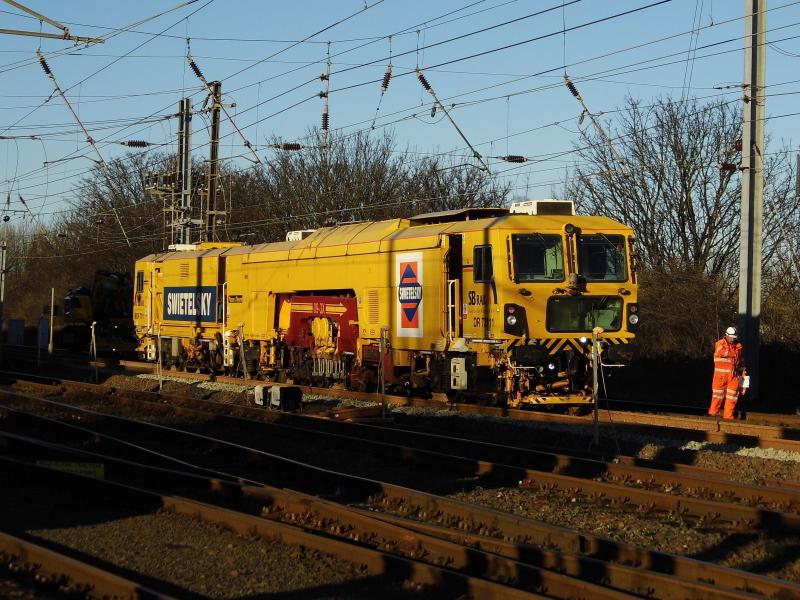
(93, 352)
(381, 374)
(52, 314)
(596, 382)
(158, 355)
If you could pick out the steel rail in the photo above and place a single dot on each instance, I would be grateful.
(627, 470)
(697, 428)
(486, 452)
(782, 434)
(485, 553)
(679, 410)
(377, 562)
(517, 528)
(54, 387)
(49, 565)
(739, 516)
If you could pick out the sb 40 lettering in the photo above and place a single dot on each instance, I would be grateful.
(476, 299)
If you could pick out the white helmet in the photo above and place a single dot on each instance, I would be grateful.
(731, 331)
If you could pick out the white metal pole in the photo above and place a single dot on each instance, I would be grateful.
(52, 314)
(39, 342)
(596, 382)
(381, 374)
(3, 289)
(158, 354)
(3, 272)
(93, 352)
(242, 357)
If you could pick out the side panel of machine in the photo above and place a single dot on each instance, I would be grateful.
(177, 298)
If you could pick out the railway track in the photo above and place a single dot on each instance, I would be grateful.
(43, 570)
(762, 430)
(511, 527)
(376, 562)
(689, 487)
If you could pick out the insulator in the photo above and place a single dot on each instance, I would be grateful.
(196, 69)
(573, 90)
(387, 77)
(433, 111)
(513, 158)
(325, 121)
(423, 81)
(288, 146)
(323, 77)
(45, 66)
(323, 94)
(136, 144)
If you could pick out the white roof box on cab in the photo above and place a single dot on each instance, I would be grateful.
(547, 206)
(299, 235)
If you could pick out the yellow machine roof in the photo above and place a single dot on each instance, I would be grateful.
(374, 236)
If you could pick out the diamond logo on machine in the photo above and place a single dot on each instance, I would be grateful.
(410, 294)
(408, 271)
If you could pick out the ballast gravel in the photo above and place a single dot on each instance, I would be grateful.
(774, 555)
(745, 465)
(205, 559)
(756, 551)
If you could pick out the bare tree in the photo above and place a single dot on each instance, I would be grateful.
(357, 177)
(678, 183)
(669, 186)
(674, 177)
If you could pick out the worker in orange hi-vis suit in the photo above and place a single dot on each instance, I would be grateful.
(728, 371)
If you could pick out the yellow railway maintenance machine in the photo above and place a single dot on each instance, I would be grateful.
(481, 303)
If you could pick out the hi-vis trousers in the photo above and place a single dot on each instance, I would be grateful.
(724, 387)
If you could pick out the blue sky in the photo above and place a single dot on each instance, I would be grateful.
(507, 101)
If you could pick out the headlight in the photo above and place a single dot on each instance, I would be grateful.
(511, 320)
(551, 366)
(633, 319)
(584, 339)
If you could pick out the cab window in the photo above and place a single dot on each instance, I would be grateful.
(139, 287)
(139, 282)
(537, 257)
(602, 257)
(482, 271)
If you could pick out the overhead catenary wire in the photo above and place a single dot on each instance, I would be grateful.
(788, 82)
(428, 88)
(387, 77)
(366, 7)
(326, 79)
(89, 139)
(247, 224)
(574, 91)
(612, 16)
(210, 88)
(287, 41)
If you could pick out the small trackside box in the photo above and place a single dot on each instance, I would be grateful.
(286, 398)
